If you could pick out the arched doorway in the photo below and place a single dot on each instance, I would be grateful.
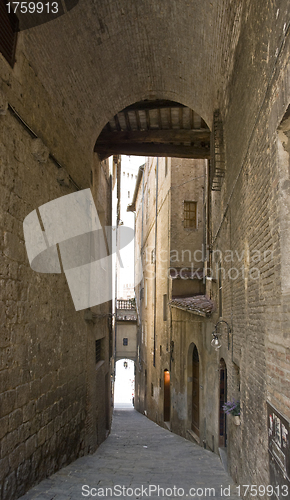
(166, 408)
(222, 400)
(195, 392)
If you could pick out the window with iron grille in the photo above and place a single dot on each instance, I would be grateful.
(125, 341)
(8, 33)
(190, 213)
(98, 350)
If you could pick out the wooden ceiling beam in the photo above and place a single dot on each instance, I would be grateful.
(147, 119)
(156, 136)
(191, 118)
(159, 119)
(153, 150)
(180, 118)
(138, 119)
(169, 118)
(118, 126)
(127, 120)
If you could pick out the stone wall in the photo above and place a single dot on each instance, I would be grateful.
(251, 222)
(51, 396)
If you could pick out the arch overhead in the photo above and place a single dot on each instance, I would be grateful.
(110, 55)
(155, 128)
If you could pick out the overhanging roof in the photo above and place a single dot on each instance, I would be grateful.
(197, 304)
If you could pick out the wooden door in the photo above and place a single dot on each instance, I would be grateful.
(223, 399)
(195, 392)
(166, 396)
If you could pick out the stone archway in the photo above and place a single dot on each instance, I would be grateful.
(158, 127)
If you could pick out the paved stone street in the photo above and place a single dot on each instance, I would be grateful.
(138, 453)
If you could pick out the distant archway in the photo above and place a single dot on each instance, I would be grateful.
(124, 384)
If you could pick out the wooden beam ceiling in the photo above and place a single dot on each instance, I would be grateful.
(155, 128)
(155, 150)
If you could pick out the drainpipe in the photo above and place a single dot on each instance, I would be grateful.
(142, 283)
(204, 252)
(155, 265)
(118, 162)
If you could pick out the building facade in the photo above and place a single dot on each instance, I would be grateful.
(198, 341)
(126, 330)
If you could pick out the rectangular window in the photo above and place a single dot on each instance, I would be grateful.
(166, 166)
(128, 194)
(125, 341)
(190, 214)
(8, 33)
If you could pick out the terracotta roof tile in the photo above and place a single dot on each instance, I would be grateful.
(199, 304)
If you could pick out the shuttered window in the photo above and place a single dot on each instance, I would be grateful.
(8, 33)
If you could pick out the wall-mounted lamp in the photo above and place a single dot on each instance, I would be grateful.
(216, 341)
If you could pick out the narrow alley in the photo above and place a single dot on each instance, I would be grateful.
(138, 453)
(144, 223)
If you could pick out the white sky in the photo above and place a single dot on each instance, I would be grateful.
(124, 384)
(133, 161)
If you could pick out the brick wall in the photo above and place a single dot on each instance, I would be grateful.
(47, 406)
(248, 221)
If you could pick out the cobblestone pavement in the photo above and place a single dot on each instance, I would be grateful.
(138, 453)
